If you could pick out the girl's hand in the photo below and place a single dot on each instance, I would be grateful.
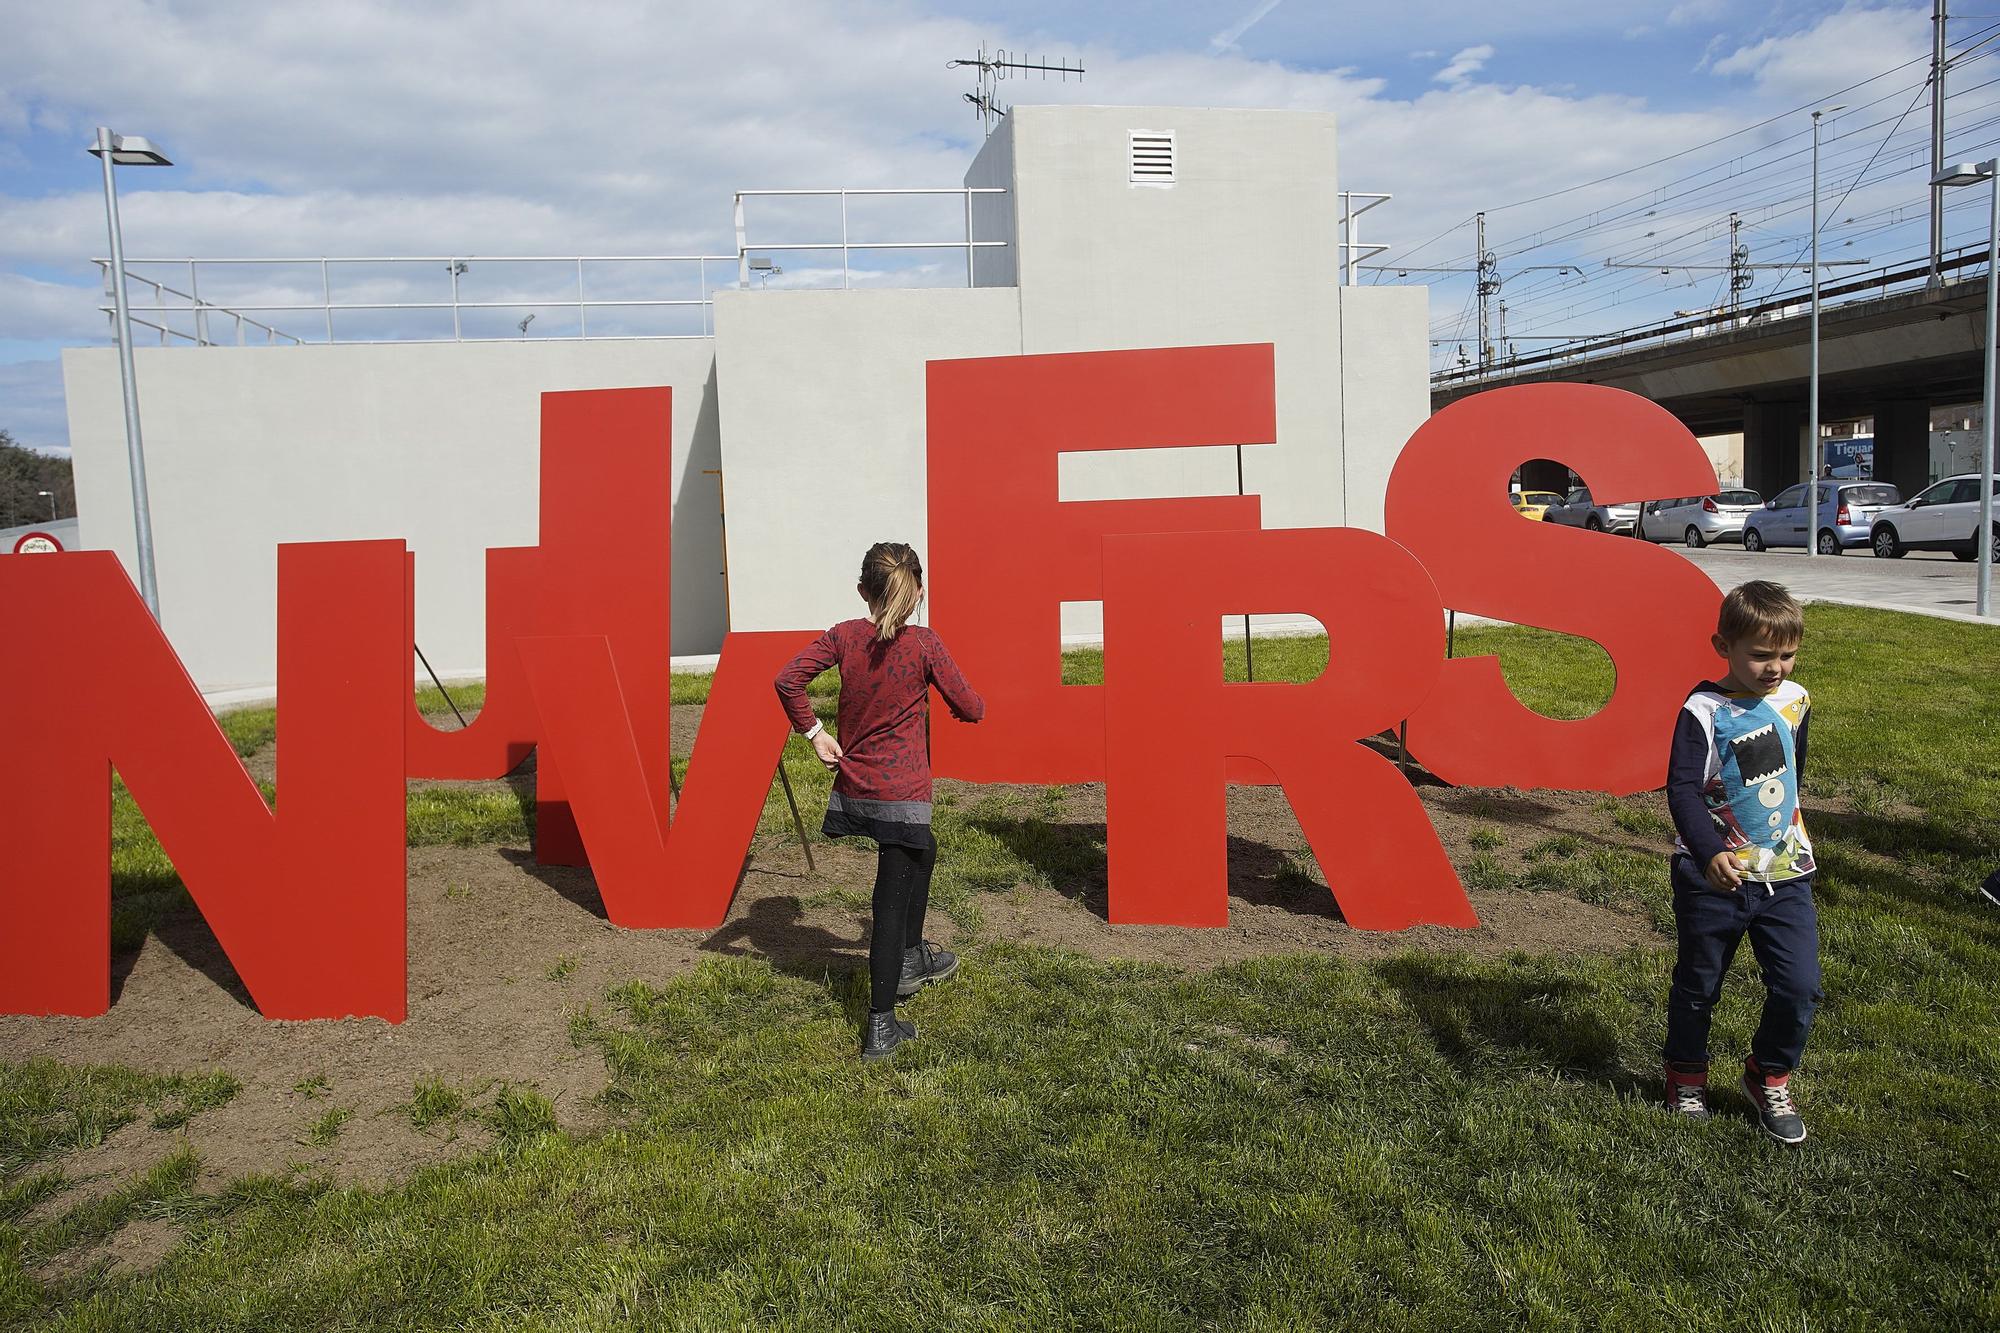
(828, 749)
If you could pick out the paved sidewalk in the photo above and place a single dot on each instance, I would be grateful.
(1930, 583)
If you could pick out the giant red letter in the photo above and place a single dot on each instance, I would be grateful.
(1651, 610)
(1005, 552)
(1171, 724)
(652, 874)
(307, 903)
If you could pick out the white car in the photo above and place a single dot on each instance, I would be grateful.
(1942, 518)
(1697, 520)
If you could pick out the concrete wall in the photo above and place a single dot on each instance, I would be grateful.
(824, 447)
(434, 443)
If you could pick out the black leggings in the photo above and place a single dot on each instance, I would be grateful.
(902, 896)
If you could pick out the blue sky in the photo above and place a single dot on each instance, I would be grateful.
(364, 127)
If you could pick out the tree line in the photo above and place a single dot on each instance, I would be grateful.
(23, 475)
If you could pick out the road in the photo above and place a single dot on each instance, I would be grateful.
(1926, 582)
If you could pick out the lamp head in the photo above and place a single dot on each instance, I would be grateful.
(131, 150)
(1963, 173)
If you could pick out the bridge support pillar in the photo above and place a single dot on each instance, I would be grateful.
(1773, 445)
(1903, 445)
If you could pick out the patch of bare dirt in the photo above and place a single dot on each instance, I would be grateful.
(503, 952)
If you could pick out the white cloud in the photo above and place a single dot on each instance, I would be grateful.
(1227, 39)
(1843, 48)
(1464, 65)
(1696, 11)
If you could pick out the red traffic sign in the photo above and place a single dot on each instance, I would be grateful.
(36, 543)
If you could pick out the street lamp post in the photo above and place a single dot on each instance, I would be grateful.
(1969, 173)
(52, 503)
(1812, 399)
(129, 150)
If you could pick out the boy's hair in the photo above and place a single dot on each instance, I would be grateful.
(892, 578)
(1760, 607)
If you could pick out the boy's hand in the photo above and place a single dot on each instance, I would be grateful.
(1725, 872)
(828, 749)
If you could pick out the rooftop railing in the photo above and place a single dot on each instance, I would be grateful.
(491, 298)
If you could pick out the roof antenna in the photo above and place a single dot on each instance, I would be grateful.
(996, 67)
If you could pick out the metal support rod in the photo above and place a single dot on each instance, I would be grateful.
(843, 240)
(582, 327)
(1403, 746)
(440, 686)
(1249, 661)
(456, 334)
(785, 780)
(969, 280)
(1936, 278)
(135, 453)
(1813, 391)
(742, 254)
(1983, 548)
(1450, 633)
(326, 297)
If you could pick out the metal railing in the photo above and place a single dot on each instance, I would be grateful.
(201, 310)
(1903, 276)
(844, 244)
(593, 288)
(454, 266)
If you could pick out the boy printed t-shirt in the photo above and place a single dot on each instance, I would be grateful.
(1740, 755)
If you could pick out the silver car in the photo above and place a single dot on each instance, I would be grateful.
(1943, 518)
(1844, 517)
(1697, 520)
(1578, 510)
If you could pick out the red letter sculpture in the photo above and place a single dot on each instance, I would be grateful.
(1651, 610)
(650, 873)
(307, 903)
(1172, 725)
(1005, 552)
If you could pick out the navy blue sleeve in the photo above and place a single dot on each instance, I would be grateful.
(1687, 773)
(1799, 752)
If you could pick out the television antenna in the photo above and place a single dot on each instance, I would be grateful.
(997, 66)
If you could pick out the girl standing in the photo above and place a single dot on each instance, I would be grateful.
(882, 787)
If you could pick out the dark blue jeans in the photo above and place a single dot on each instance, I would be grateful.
(1784, 935)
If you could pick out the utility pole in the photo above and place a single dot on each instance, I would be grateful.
(1936, 278)
(1503, 328)
(1739, 265)
(1489, 284)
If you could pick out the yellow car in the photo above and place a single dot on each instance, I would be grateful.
(1530, 504)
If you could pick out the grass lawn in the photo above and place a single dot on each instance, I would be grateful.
(1428, 1141)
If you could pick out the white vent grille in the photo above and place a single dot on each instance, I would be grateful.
(1152, 157)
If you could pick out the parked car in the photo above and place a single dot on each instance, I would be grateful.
(1697, 520)
(1578, 510)
(1845, 517)
(1942, 518)
(1532, 504)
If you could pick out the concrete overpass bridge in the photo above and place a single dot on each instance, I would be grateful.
(1889, 348)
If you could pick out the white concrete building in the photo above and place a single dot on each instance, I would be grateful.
(807, 406)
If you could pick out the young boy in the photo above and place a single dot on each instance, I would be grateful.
(1742, 863)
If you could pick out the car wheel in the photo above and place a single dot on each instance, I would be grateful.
(1753, 540)
(1692, 537)
(1968, 555)
(1829, 544)
(1594, 524)
(1885, 543)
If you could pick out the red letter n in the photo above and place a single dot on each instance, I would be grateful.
(308, 903)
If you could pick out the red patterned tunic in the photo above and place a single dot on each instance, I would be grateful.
(883, 786)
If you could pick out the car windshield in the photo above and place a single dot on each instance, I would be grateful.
(1542, 498)
(1740, 498)
(1872, 495)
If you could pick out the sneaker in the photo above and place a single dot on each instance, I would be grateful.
(1687, 1092)
(884, 1033)
(924, 964)
(1991, 888)
(1771, 1095)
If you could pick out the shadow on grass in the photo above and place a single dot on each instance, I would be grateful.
(1071, 859)
(182, 929)
(776, 929)
(1478, 1018)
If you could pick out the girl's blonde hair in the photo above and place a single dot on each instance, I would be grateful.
(892, 579)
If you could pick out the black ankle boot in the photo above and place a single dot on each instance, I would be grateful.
(884, 1033)
(923, 964)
